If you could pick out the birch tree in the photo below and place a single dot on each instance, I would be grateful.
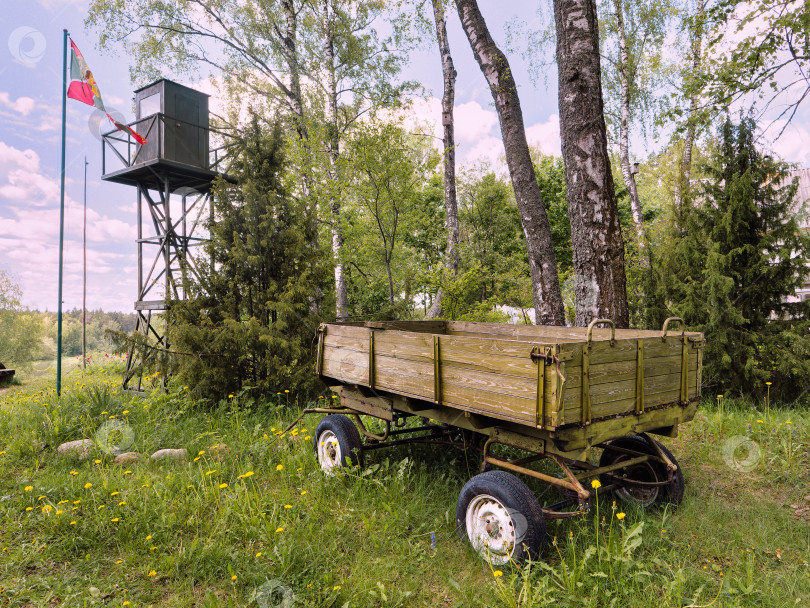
(548, 302)
(599, 275)
(450, 199)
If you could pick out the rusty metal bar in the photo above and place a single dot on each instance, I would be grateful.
(368, 433)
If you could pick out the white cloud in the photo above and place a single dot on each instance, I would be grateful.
(23, 105)
(29, 239)
(546, 135)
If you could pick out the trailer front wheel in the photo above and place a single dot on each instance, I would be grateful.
(337, 443)
(501, 518)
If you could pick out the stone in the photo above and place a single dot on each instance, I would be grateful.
(127, 458)
(170, 454)
(80, 448)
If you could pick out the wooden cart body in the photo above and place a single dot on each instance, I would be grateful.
(568, 388)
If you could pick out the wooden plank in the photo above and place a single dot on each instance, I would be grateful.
(625, 350)
(533, 332)
(429, 327)
(460, 355)
(345, 365)
(359, 344)
(398, 375)
(416, 347)
(347, 331)
(619, 397)
(495, 383)
(618, 371)
(506, 407)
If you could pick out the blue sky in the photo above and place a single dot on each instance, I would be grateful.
(30, 107)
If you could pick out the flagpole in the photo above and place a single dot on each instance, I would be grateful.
(61, 217)
(84, 271)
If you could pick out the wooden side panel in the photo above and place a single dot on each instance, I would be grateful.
(345, 353)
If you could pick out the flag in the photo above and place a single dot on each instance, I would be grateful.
(83, 88)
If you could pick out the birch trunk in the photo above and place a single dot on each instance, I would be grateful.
(450, 201)
(548, 303)
(333, 145)
(600, 289)
(624, 124)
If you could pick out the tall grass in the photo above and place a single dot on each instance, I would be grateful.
(258, 523)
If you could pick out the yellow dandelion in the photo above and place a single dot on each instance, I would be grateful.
(595, 484)
(115, 494)
(497, 573)
(279, 530)
(28, 488)
(307, 438)
(760, 421)
(234, 577)
(88, 485)
(41, 497)
(119, 561)
(211, 472)
(246, 474)
(279, 467)
(336, 587)
(114, 519)
(201, 452)
(125, 412)
(126, 603)
(149, 537)
(222, 486)
(620, 515)
(59, 511)
(152, 573)
(74, 473)
(100, 507)
(29, 508)
(75, 502)
(127, 472)
(196, 459)
(62, 502)
(286, 390)
(104, 412)
(788, 422)
(259, 554)
(47, 509)
(97, 461)
(230, 396)
(73, 523)
(303, 492)
(288, 506)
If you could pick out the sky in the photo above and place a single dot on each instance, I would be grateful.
(30, 122)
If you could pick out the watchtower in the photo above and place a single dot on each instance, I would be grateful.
(173, 173)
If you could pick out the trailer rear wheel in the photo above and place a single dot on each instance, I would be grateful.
(501, 518)
(336, 443)
(648, 472)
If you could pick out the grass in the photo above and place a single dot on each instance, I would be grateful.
(260, 522)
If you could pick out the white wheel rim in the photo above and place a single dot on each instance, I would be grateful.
(491, 529)
(329, 456)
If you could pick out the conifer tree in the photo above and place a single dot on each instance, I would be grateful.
(252, 318)
(737, 257)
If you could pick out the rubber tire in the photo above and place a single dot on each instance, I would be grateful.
(513, 494)
(671, 494)
(347, 435)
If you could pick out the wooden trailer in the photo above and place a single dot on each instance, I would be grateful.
(551, 392)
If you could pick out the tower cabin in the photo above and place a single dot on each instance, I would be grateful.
(174, 121)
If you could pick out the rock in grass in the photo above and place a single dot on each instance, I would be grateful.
(127, 458)
(218, 451)
(80, 448)
(170, 454)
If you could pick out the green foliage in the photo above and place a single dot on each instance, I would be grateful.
(762, 50)
(734, 257)
(21, 331)
(250, 322)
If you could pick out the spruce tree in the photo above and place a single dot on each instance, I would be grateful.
(737, 257)
(252, 318)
